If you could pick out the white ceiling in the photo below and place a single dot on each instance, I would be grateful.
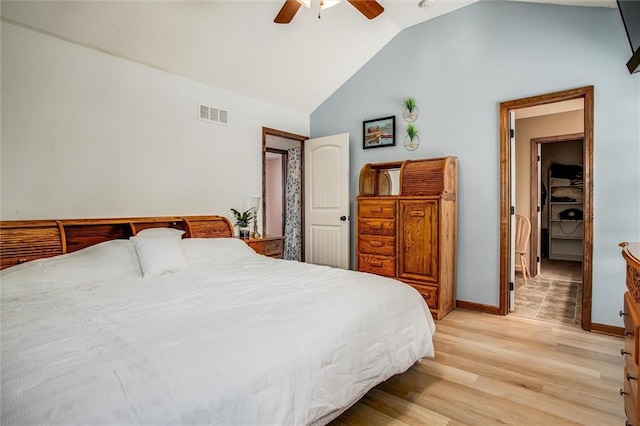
(234, 45)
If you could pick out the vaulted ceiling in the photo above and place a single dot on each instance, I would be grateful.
(235, 45)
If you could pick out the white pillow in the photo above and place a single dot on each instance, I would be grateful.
(160, 232)
(115, 259)
(212, 249)
(160, 255)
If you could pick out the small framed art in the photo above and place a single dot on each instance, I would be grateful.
(379, 132)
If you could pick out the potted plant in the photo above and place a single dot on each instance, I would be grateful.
(411, 109)
(412, 141)
(242, 221)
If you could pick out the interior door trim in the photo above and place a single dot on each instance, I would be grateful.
(267, 131)
(586, 93)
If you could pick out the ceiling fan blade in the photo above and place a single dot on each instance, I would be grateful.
(288, 11)
(369, 8)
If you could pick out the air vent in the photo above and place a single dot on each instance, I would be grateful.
(212, 114)
(204, 112)
(223, 116)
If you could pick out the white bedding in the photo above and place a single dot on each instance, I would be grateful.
(237, 338)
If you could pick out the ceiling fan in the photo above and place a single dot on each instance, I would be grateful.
(369, 8)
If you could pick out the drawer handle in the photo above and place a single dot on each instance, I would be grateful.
(376, 264)
(628, 333)
(630, 377)
(376, 244)
(623, 352)
(622, 392)
(416, 213)
(375, 209)
(622, 314)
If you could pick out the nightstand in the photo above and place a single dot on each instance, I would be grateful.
(267, 246)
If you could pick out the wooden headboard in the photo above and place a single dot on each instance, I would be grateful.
(24, 240)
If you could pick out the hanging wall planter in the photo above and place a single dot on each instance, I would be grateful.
(412, 140)
(411, 110)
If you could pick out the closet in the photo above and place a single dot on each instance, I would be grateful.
(565, 212)
(562, 199)
(406, 226)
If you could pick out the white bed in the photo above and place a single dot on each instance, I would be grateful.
(232, 338)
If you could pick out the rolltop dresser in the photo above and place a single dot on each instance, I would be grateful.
(406, 226)
(630, 314)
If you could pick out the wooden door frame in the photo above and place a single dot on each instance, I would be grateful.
(585, 93)
(267, 131)
(534, 182)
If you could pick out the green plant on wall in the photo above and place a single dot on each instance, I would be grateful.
(411, 109)
(409, 103)
(412, 131)
(412, 141)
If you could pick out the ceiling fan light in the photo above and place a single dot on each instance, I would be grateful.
(328, 3)
(305, 3)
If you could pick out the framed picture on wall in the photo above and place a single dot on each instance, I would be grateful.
(379, 132)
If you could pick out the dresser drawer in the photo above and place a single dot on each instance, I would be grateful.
(377, 227)
(630, 398)
(631, 383)
(377, 208)
(631, 320)
(379, 265)
(377, 244)
(429, 293)
(267, 247)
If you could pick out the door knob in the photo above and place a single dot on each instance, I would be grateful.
(343, 218)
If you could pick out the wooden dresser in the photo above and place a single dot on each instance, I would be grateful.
(267, 246)
(631, 316)
(406, 226)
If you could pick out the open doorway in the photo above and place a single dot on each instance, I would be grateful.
(283, 189)
(529, 203)
(549, 185)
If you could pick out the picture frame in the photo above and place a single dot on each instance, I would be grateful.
(379, 132)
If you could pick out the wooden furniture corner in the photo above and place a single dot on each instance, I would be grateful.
(630, 314)
(267, 246)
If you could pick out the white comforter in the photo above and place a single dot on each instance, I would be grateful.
(235, 339)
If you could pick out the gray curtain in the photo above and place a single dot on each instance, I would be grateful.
(293, 213)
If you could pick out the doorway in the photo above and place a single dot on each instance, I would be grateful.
(556, 184)
(553, 291)
(283, 189)
(508, 201)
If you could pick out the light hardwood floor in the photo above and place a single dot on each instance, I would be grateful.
(492, 369)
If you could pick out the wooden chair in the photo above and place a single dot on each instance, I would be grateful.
(523, 231)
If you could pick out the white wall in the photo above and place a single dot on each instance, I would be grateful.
(273, 196)
(87, 134)
(459, 67)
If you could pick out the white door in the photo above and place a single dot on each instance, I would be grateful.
(326, 194)
(512, 217)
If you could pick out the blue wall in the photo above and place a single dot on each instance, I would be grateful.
(459, 67)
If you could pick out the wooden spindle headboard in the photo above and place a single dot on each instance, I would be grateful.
(25, 240)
